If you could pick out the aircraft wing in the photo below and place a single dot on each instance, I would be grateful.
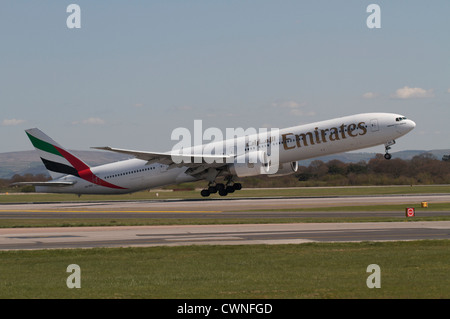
(49, 183)
(175, 159)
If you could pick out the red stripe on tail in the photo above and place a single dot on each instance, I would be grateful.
(84, 171)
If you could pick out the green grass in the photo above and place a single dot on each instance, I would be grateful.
(368, 208)
(251, 192)
(421, 215)
(89, 222)
(418, 269)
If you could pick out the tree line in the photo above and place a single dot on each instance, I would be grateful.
(423, 169)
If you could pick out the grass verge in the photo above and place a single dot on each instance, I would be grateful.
(421, 215)
(86, 222)
(417, 269)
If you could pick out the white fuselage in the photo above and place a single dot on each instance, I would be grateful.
(293, 144)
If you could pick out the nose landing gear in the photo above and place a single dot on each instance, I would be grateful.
(387, 147)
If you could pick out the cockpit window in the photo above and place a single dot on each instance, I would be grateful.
(398, 119)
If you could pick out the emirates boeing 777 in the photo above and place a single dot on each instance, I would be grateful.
(150, 170)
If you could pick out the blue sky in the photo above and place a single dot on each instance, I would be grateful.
(136, 70)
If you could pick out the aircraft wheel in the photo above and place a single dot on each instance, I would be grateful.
(204, 193)
(223, 192)
(212, 189)
(237, 186)
(387, 156)
(230, 189)
(220, 186)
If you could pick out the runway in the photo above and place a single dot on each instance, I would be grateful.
(277, 207)
(236, 234)
(244, 234)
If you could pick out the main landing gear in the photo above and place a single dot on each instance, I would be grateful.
(387, 147)
(222, 189)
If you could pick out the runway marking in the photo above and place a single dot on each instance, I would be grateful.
(44, 236)
(108, 211)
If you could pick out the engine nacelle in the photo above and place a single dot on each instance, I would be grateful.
(285, 169)
(250, 164)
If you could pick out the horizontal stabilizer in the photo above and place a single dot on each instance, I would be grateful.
(50, 183)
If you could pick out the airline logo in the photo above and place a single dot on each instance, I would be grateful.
(58, 160)
(320, 136)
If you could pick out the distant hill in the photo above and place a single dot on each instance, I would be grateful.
(357, 157)
(28, 162)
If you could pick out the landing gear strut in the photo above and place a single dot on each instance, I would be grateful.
(222, 189)
(387, 147)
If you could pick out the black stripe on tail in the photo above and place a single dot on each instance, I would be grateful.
(59, 168)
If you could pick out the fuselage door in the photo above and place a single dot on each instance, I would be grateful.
(232, 150)
(374, 125)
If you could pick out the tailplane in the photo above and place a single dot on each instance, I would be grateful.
(56, 158)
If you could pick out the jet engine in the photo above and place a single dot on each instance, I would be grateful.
(285, 169)
(250, 164)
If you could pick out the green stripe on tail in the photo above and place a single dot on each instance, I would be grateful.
(43, 146)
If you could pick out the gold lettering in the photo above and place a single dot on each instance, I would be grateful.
(334, 134)
(320, 135)
(362, 127)
(302, 136)
(342, 127)
(285, 146)
(351, 128)
(316, 133)
(324, 135)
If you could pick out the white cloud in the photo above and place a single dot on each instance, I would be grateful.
(370, 95)
(298, 112)
(287, 104)
(412, 93)
(94, 121)
(90, 121)
(12, 122)
(181, 108)
(184, 108)
(295, 108)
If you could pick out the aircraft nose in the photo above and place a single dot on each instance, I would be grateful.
(411, 124)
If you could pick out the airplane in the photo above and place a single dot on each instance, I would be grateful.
(150, 170)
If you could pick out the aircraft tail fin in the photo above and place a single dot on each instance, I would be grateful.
(56, 158)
